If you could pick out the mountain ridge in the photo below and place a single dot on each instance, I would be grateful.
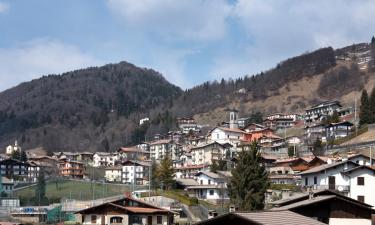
(98, 108)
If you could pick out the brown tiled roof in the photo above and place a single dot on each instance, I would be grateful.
(144, 210)
(283, 217)
(323, 167)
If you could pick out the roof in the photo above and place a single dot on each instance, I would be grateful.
(323, 167)
(191, 167)
(209, 174)
(234, 130)
(132, 149)
(204, 187)
(305, 196)
(186, 182)
(358, 168)
(159, 142)
(279, 218)
(205, 144)
(305, 202)
(143, 208)
(224, 173)
(282, 217)
(281, 176)
(138, 163)
(114, 168)
(346, 123)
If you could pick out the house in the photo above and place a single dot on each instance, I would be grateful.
(136, 172)
(318, 112)
(338, 130)
(328, 207)
(211, 186)
(14, 169)
(13, 148)
(133, 153)
(314, 132)
(33, 172)
(362, 184)
(281, 217)
(160, 148)
(113, 174)
(253, 126)
(328, 176)
(207, 153)
(187, 125)
(224, 135)
(72, 169)
(188, 171)
(6, 184)
(351, 179)
(361, 159)
(103, 159)
(126, 211)
(282, 175)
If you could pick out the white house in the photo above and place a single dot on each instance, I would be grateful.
(102, 159)
(328, 176)
(362, 184)
(212, 187)
(321, 110)
(160, 148)
(207, 153)
(224, 135)
(113, 174)
(349, 178)
(135, 172)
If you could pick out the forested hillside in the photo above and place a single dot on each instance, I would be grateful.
(98, 109)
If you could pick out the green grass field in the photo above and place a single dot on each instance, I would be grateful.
(75, 190)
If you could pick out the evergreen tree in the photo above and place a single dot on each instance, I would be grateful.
(154, 174)
(165, 172)
(318, 149)
(364, 110)
(249, 180)
(214, 167)
(19, 155)
(372, 106)
(40, 190)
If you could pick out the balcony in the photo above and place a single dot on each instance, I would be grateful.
(339, 188)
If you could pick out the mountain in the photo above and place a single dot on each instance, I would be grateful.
(86, 109)
(98, 108)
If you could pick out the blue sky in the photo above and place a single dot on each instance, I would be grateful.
(188, 41)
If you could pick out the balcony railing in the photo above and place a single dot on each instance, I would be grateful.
(340, 188)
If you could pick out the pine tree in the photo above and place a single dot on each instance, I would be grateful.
(364, 110)
(40, 190)
(318, 149)
(165, 172)
(249, 180)
(372, 106)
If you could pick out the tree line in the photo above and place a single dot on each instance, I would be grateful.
(367, 108)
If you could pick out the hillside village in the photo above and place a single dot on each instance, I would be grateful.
(322, 153)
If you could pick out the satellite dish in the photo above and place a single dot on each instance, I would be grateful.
(340, 188)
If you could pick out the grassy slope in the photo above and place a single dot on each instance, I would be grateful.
(75, 189)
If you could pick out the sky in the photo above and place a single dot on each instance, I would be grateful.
(188, 41)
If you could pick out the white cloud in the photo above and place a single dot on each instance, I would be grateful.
(40, 57)
(278, 29)
(4, 7)
(175, 20)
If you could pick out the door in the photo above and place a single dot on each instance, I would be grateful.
(149, 220)
(331, 182)
(103, 220)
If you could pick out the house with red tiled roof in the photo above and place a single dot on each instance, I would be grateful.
(125, 211)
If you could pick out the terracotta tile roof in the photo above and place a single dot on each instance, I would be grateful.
(191, 167)
(323, 167)
(235, 130)
(144, 210)
(131, 149)
(158, 142)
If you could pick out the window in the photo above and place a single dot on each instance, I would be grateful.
(361, 198)
(159, 219)
(315, 180)
(93, 218)
(209, 182)
(211, 192)
(217, 136)
(306, 181)
(361, 181)
(135, 219)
